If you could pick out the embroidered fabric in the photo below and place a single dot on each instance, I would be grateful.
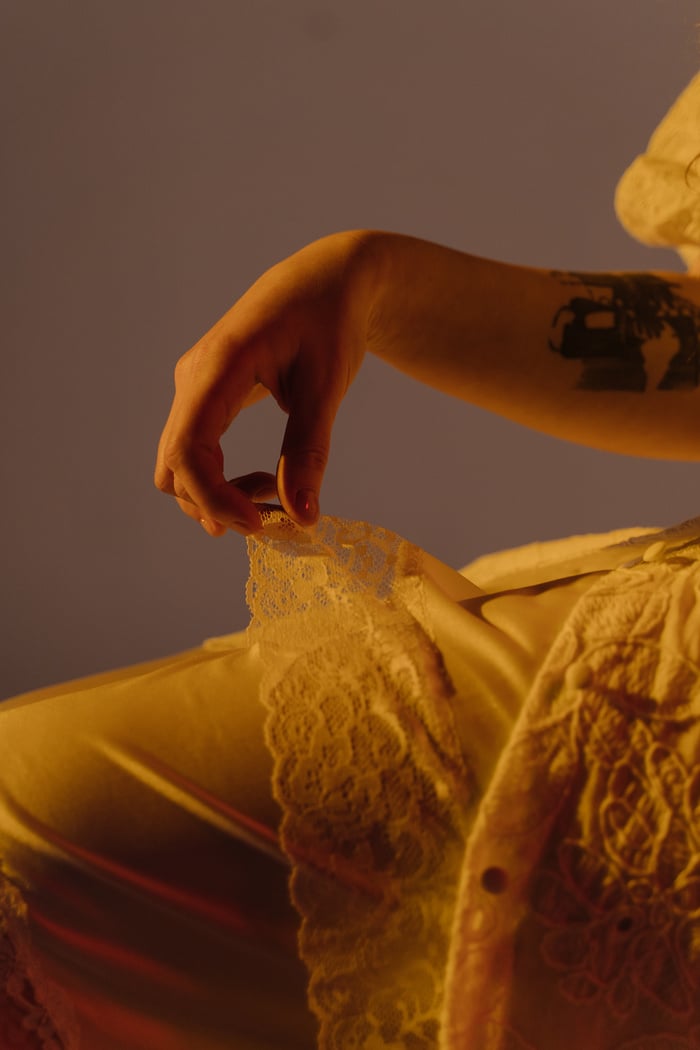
(657, 198)
(34, 1013)
(368, 770)
(581, 882)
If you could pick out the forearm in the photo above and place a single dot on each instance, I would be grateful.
(609, 360)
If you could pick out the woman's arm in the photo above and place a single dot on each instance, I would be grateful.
(610, 360)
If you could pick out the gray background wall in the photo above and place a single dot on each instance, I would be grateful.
(157, 155)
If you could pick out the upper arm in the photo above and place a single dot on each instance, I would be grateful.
(630, 331)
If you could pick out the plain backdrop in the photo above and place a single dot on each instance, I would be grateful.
(158, 155)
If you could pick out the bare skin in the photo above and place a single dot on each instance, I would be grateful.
(608, 360)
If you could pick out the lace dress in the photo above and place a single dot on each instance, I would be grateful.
(482, 789)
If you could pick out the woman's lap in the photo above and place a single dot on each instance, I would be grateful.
(136, 814)
(136, 810)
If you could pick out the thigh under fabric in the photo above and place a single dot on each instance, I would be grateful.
(136, 815)
(493, 645)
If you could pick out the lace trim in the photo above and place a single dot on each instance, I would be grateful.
(34, 1013)
(593, 822)
(368, 770)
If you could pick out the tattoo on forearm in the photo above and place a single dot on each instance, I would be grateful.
(613, 319)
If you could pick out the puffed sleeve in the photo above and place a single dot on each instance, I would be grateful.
(657, 199)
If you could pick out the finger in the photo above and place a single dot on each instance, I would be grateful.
(257, 394)
(205, 403)
(164, 478)
(260, 486)
(162, 475)
(198, 472)
(304, 456)
(190, 506)
(214, 528)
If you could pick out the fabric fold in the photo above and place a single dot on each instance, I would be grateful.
(580, 878)
(368, 770)
(657, 199)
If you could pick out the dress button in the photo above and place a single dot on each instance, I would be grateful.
(654, 552)
(494, 880)
(578, 676)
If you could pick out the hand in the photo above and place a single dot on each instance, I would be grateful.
(299, 333)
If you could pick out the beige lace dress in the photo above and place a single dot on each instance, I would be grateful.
(408, 808)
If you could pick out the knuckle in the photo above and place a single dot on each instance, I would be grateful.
(178, 457)
(180, 490)
(188, 508)
(314, 457)
(182, 373)
(187, 364)
(179, 369)
(163, 480)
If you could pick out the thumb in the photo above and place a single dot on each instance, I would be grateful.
(303, 459)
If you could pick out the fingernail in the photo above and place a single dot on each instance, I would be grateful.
(306, 505)
(208, 526)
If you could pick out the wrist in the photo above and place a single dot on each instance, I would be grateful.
(369, 265)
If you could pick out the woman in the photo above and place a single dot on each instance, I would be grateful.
(485, 784)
